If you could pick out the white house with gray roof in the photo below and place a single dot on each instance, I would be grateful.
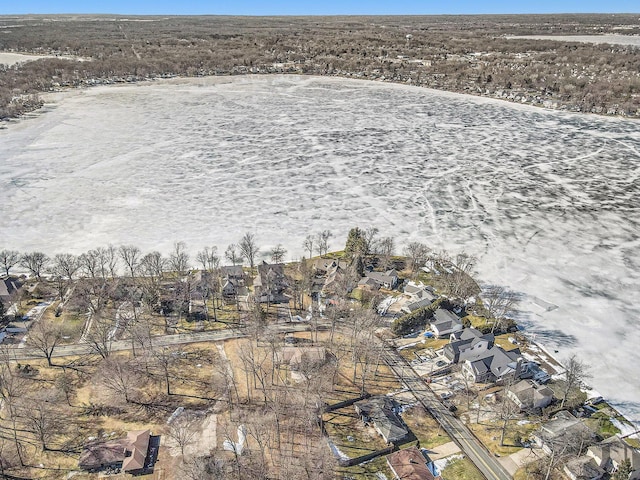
(445, 323)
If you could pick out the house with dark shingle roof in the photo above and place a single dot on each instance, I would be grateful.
(495, 364)
(467, 343)
(388, 279)
(445, 323)
(270, 283)
(381, 412)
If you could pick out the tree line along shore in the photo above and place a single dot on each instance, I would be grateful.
(466, 54)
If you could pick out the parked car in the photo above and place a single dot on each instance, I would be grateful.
(594, 401)
(450, 406)
(441, 363)
(445, 395)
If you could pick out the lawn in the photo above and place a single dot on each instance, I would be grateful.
(424, 427)
(461, 469)
(489, 434)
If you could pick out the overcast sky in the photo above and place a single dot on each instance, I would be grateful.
(322, 7)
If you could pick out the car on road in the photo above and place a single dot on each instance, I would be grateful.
(450, 406)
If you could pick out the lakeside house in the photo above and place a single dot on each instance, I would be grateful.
(270, 283)
(583, 468)
(496, 365)
(388, 279)
(445, 323)
(467, 343)
(563, 432)
(610, 455)
(528, 395)
(419, 296)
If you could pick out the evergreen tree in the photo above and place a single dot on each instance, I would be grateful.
(356, 243)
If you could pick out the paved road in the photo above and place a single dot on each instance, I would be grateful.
(457, 430)
(158, 341)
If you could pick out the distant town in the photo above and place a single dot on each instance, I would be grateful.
(365, 362)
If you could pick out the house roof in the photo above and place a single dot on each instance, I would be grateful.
(617, 450)
(232, 271)
(410, 464)
(8, 285)
(563, 423)
(130, 451)
(495, 360)
(380, 409)
(444, 321)
(297, 355)
(468, 337)
(136, 450)
(389, 277)
(583, 468)
(527, 393)
(100, 454)
(368, 282)
(424, 302)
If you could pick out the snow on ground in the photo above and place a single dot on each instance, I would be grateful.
(612, 39)
(8, 58)
(547, 200)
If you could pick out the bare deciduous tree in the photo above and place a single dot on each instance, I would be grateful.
(278, 253)
(500, 303)
(418, 254)
(9, 259)
(208, 258)
(183, 430)
(307, 244)
(249, 248)
(35, 262)
(322, 242)
(575, 373)
(44, 336)
(179, 258)
(232, 253)
(130, 255)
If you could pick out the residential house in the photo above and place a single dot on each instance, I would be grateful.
(419, 297)
(445, 323)
(611, 453)
(381, 412)
(583, 468)
(302, 361)
(8, 287)
(270, 283)
(529, 395)
(335, 280)
(410, 464)
(321, 266)
(388, 279)
(495, 364)
(131, 454)
(467, 343)
(233, 272)
(369, 283)
(563, 432)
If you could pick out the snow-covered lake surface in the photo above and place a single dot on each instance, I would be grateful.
(548, 201)
(613, 39)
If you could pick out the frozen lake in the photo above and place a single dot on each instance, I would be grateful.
(612, 39)
(548, 201)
